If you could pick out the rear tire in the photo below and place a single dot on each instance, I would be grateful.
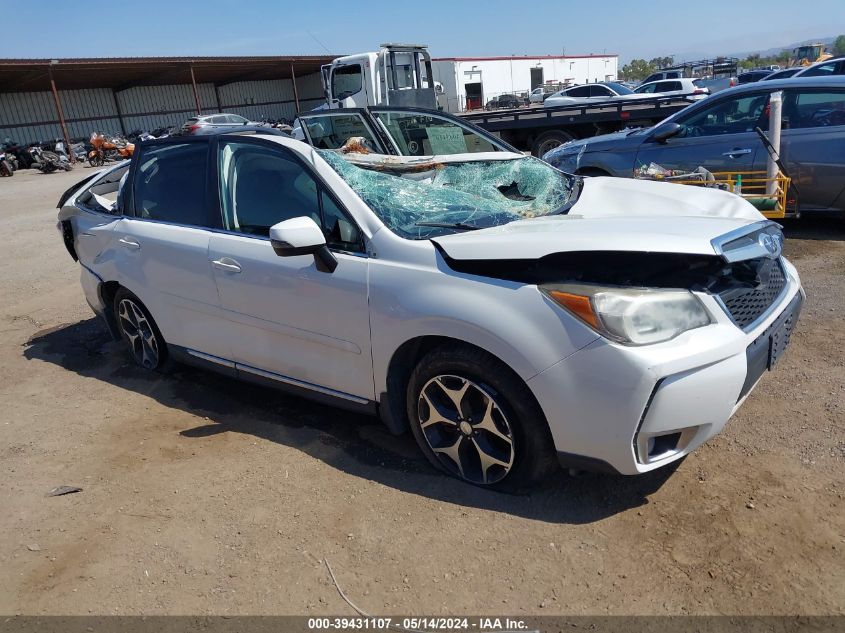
(547, 141)
(6, 168)
(475, 419)
(140, 332)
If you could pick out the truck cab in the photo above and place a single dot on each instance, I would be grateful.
(396, 75)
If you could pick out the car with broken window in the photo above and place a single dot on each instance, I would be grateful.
(513, 317)
(719, 134)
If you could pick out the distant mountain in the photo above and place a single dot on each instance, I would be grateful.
(771, 52)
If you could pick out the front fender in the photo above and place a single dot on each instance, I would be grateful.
(514, 322)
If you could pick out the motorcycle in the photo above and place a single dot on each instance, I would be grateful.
(282, 125)
(47, 161)
(164, 132)
(7, 167)
(80, 153)
(108, 149)
(16, 151)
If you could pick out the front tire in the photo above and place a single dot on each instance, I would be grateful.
(6, 168)
(139, 331)
(476, 420)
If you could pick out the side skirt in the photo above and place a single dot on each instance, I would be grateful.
(315, 393)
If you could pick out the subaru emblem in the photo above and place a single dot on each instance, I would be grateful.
(772, 244)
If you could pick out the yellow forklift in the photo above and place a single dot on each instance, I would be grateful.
(808, 55)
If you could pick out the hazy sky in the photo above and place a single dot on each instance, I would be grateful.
(632, 28)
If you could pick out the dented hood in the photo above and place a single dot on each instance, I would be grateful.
(614, 214)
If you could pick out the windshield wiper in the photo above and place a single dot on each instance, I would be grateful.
(460, 226)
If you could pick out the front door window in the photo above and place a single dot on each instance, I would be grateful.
(729, 116)
(261, 186)
(346, 81)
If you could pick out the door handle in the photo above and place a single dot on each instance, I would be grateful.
(737, 152)
(131, 244)
(227, 264)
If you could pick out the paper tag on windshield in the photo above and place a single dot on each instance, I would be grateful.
(446, 140)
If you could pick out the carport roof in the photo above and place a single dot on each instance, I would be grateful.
(120, 73)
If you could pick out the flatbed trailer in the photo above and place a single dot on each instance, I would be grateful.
(540, 129)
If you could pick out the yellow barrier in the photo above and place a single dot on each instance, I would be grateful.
(751, 185)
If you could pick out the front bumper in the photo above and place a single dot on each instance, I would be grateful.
(634, 409)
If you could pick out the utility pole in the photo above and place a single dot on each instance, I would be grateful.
(59, 110)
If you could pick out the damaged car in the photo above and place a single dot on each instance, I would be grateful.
(513, 317)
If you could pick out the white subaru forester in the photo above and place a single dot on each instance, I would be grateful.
(513, 316)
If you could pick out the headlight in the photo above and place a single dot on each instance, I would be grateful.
(631, 316)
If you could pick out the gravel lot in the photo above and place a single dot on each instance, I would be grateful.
(205, 496)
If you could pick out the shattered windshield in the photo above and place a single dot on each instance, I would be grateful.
(458, 196)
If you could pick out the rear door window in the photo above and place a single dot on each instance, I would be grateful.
(817, 108)
(170, 184)
(580, 91)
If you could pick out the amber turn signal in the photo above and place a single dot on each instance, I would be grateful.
(578, 305)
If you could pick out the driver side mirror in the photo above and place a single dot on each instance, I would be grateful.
(664, 132)
(302, 236)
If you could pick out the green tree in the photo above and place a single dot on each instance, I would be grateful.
(839, 45)
(636, 70)
(662, 62)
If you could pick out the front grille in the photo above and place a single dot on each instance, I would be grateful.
(748, 301)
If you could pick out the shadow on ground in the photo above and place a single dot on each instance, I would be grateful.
(356, 444)
(821, 226)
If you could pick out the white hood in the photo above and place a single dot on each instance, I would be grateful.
(615, 214)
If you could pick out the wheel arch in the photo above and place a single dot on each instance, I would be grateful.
(392, 401)
(592, 171)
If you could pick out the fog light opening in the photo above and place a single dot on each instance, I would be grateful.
(659, 445)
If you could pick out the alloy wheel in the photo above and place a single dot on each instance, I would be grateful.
(466, 429)
(139, 333)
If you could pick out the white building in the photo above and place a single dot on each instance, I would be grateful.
(470, 82)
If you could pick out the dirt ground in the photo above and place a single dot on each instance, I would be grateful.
(203, 496)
